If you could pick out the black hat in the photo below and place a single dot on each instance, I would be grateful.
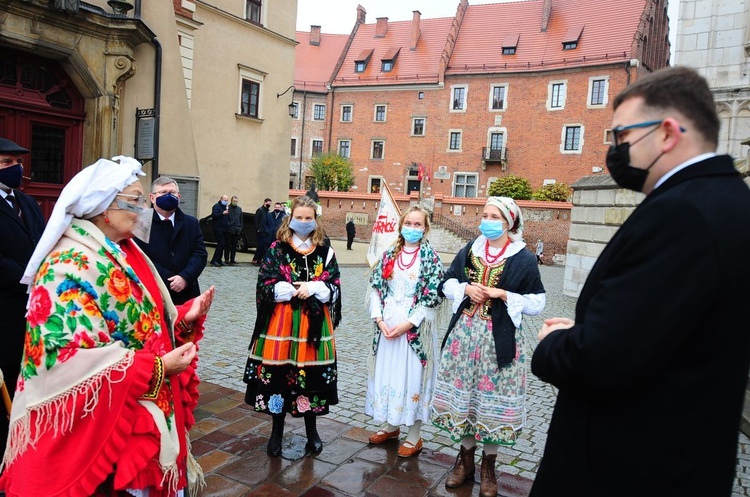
(9, 147)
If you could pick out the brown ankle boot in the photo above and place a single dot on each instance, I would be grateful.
(463, 469)
(488, 487)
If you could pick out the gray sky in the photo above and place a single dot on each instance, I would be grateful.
(338, 16)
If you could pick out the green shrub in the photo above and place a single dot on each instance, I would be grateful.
(511, 186)
(555, 192)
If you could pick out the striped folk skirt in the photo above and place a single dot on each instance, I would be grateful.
(285, 372)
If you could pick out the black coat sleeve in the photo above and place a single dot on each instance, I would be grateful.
(198, 253)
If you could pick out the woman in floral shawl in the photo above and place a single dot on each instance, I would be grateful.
(292, 362)
(107, 388)
(481, 383)
(405, 352)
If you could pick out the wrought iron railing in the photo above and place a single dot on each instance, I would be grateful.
(494, 154)
(460, 230)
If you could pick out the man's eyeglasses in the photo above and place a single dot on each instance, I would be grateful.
(11, 162)
(134, 199)
(614, 135)
(164, 192)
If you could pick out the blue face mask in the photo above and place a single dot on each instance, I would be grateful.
(12, 176)
(302, 228)
(411, 235)
(491, 229)
(168, 201)
(224, 202)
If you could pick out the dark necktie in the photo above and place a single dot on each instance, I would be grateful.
(12, 200)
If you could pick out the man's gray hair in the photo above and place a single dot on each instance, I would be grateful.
(163, 180)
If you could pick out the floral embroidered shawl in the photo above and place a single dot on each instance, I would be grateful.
(92, 335)
(425, 294)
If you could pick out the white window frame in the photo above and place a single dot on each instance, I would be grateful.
(424, 125)
(497, 129)
(604, 140)
(375, 113)
(262, 20)
(550, 86)
(254, 76)
(466, 98)
(605, 100)
(351, 113)
(461, 139)
(322, 145)
(492, 92)
(466, 174)
(369, 183)
(296, 146)
(315, 108)
(580, 141)
(372, 149)
(338, 148)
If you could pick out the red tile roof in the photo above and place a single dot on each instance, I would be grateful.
(313, 65)
(609, 28)
(412, 66)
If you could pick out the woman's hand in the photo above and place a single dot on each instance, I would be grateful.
(398, 330)
(302, 291)
(201, 305)
(175, 361)
(495, 293)
(477, 293)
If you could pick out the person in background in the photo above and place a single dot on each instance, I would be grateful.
(235, 230)
(351, 231)
(276, 217)
(539, 251)
(21, 226)
(291, 367)
(220, 221)
(107, 388)
(262, 230)
(480, 390)
(405, 353)
(659, 349)
(176, 244)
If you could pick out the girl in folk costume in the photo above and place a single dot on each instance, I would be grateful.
(292, 362)
(107, 388)
(481, 382)
(405, 353)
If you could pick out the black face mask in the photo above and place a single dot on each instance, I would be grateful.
(168, 201)
(625, 175)
(12, 176)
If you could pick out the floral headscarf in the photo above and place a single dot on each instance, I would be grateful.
(512, 213)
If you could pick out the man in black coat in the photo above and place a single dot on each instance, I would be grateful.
(220, 221)
(176, 245)
(262, 230)
(276, 217)
(652, 372)
(351, 231)
(21, 226)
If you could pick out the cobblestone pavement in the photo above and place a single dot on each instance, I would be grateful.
(223, 353)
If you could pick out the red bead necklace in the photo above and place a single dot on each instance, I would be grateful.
(406, 265)
(491, 259)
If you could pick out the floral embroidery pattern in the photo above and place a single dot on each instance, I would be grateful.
(276, 403)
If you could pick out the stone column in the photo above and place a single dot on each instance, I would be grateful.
(599, 209)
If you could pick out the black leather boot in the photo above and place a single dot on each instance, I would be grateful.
(277, 434)
(314, 443)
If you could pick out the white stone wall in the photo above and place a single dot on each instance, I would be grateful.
(599, 209)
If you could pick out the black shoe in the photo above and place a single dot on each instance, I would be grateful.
(314, 443)
(234, 263)
(277, 434)
(216, 264)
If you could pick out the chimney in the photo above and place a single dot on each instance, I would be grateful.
(546, 12)
(381, 28)
(415, 32)
(361, 14)
(315, 35)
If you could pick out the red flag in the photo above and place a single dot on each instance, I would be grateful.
(420, 174)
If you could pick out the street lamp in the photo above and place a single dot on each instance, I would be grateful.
(120, 6)
(292, 107)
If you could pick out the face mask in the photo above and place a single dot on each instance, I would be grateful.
(625, 175)
(142, 228)
(234, 204)
(411, 235)
(168, 202)
(277, 210)
(11, 176)
(491, 229)
(224, 202)
(302, 228)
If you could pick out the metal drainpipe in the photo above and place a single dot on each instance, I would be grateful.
(157, 107)
(302, 139)
(137, 13)
(330, 122)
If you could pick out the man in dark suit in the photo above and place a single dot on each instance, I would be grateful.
(176, 245)
(652, 372)
(262, 230)
(21, 226)
(351, 231)
(220, 221)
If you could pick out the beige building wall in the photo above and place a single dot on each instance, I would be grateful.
(239, 155)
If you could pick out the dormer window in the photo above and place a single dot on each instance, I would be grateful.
(389, 59)
(570, 41)
(510, 42)
(360, 63)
